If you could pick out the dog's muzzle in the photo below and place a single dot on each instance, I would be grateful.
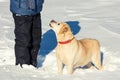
(52, 21)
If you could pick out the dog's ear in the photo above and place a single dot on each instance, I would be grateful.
(63, 30)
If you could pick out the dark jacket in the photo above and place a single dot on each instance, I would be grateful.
(26, 7)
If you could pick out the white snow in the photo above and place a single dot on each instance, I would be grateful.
(97, 19)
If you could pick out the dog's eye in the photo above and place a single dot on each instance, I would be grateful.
(58, 23)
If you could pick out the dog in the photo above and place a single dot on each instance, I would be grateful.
(72, 52)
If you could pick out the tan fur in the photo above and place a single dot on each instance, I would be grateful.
(76, 53)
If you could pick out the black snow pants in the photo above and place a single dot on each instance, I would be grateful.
(27, 38)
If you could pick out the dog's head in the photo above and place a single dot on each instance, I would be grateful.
(62, 30)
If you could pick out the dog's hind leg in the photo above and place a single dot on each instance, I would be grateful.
(89, 65)
(96, 60)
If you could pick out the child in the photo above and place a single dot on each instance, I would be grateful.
(27, 19)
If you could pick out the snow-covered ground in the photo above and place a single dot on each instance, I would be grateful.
(97, 19)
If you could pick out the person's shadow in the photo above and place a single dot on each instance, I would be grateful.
(49, 42)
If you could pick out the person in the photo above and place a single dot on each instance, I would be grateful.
(27, 20)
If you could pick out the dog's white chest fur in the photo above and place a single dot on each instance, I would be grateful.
(68, 54)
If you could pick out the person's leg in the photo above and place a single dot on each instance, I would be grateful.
(36, 38)
(22, 39)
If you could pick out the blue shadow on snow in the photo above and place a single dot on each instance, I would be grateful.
(49, 42)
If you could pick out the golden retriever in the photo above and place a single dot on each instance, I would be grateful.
(72, 52)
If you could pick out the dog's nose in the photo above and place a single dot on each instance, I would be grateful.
(50, 25)
(53, 21)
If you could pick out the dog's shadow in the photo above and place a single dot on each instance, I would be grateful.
(49, 42)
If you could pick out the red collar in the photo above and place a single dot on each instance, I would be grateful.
(65, 42)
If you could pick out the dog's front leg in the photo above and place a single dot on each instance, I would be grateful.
(60, 66)
(70, 69)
